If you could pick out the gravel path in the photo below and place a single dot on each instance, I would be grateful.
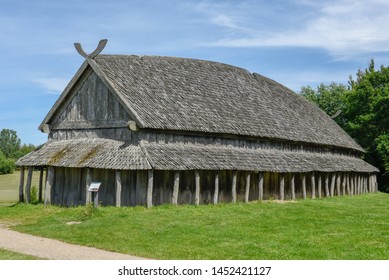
(53, 249)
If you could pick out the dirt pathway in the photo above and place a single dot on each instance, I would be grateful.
(53, 249)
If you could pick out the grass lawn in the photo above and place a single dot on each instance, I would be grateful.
(9, 186)
(333, 228)
(7, 255)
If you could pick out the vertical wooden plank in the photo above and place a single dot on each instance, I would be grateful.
(28, 184)
(282, 186)
(216, 193)
(150, 185)
(260, 186)
(313, 185)
(333, 179)
(347, 181)
(292, 186)
(327, 191)
(319, 185)
(40, 184)
(88, 195)
(118, 187)
(304, 185)
(352, 186)
(343, 183)
(197, 187)
(247, 191)
(338, 184)
(233, 189)
(176, 187)
(49, 184)
(21, 185)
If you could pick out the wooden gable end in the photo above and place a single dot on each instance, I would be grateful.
(90, 105)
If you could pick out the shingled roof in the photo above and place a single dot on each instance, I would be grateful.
(183, 94)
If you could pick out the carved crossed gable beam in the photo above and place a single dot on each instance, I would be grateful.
(93, 54)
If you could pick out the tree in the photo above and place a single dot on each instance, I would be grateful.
(9, 143)
(7, 166)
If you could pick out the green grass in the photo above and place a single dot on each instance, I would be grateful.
(8, 255)
(334, 228)
(9, 186)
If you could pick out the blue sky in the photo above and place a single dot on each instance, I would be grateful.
(296, 43)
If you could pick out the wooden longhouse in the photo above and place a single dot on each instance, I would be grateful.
(157, 130)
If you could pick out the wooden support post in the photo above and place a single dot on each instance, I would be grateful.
(333, 179)
(338, 184)
(28, 184)
(359, 183)
(260, 186)
(326, 179)
(292, 186)
(40, 189)
(313, 185)
(282, 186)
(118, 187)
(343, 184)
(319, 185)
(176, 187)
(247, 192)
(197, 187)
(88, 194)
(216, 192)
(233, 189)
(347, 180)
(365, 183)
(352, 184)
(150, 185)
(49, 184)
(304, 185)
(21, 185)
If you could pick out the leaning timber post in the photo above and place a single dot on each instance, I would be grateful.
(333, 179)
(40, 185)
(176, 187)
(260, 186)
(49, 184)
(197, 187)
(326, 180)
(118, 187)
(352, 185)
(304, 185)
(282, 186)
(28, 184)
(150, 185)
(88, 194)
(319, 185)
(313, 191)
(21, 185)
(247, 192)
(369, 184)
(343, 183)
(216, 192)
(347, 183)
(359, 184)
(338, 184)
(292, 186)
(233, 189)
(366, 183)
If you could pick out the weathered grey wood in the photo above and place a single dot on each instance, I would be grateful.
(28, 184)
(371, 188)
(333, 180)
(216, 192)
(327, 191)
(343, 184)
(347, 182)
(247, 190)
(233, 188)
(88, 195)
(40, 184)
(313, 185)
(260, 186)
(176, 187)
(49, 184)
(304, 185)
(197, 187)
(338, 184)
(282, 186)
(292, 186)
(319, 185)
(118, 187)
(352, 184)
(150, 185)
(21, 185)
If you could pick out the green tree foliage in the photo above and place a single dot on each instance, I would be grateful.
(7, 166)
(9, 143)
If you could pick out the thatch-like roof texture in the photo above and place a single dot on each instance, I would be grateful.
(203, 96)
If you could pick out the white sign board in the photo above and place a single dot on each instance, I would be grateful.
(94, 187)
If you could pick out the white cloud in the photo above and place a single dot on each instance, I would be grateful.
(53, 85)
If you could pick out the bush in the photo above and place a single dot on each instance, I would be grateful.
(7, 166)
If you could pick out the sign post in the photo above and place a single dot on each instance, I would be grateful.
(94, 189)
